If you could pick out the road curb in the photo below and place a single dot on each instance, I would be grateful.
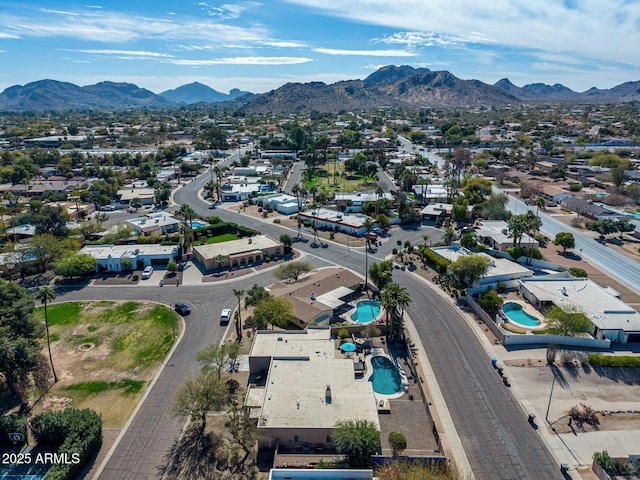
(124, 429)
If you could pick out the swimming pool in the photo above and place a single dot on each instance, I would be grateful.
(366, 311)
(195, 225)
(385, 378)
(516, 313)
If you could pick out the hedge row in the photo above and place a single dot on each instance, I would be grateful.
(439, 263)
(598, 360)
(74, 431)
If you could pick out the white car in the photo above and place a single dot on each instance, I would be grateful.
(146, 273)
(107, 208)
(225, 316)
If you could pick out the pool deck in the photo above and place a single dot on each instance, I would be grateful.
(528, 308)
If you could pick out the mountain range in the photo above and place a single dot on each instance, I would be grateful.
(388, 87)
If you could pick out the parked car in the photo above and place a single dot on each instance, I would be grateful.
(146, 273)
(107, 208)
(182, 308)
(225, 316)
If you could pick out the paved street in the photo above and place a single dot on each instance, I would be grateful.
(498, 441)
(626, 269)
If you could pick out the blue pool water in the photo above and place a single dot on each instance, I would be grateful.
(385, 377)
(195, 225)
(366, 311)
(602, 194)
(515, 312)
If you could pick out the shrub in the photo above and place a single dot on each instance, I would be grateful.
(75, 431)
(343, 334)
(578, 272)
(13, 423)
(516, 252)
(599, 360)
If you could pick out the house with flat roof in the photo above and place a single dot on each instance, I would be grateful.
(160, 223)
(281, 203)
(146, 196)
(611, 317)
(304, 390)
(239, 192)
(495, 234)
(109, 257)
(354, 202)
(237, 253)
(336, 221)
(500, 269)
(431, 193)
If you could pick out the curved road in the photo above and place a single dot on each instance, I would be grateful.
(498, 441)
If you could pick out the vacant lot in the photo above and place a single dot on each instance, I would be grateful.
(106, 353)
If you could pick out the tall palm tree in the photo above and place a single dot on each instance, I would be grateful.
(188, 214)
(366, 224)
(238, 294)
(393, 298)
(45, 295)
(296, 191)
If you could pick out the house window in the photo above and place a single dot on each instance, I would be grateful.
(329, 439)
(298, 438)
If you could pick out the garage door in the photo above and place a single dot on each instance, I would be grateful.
(633, 338)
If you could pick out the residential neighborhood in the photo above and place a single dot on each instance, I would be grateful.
(265, 294)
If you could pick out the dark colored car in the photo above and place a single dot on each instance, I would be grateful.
(182, 308)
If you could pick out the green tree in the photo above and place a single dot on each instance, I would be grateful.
(564, 240)
(218, 357)
(45, 295)
(468, 241)
(398, 443)
(243, 430)
(19, 337)
(490, 302)
(604, 460)
(357, 440)
(494, 208)
(74, 265)
(274, 311)
(569, 320)
(188, 214)
(381, 273)
(255, 294)
(238, 294)
(172, 266)
(51, 220)
(46, 248)
(292, 270)
(286, 241)
(198, 396)
(470, 268)
(449, 236)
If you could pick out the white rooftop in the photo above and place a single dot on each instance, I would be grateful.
(302, 366)
(498, 230)
(235, 247)
(349, 219)
(102, 252)
(153, 220)
(499, 267)
(605, 311)
(361, 197)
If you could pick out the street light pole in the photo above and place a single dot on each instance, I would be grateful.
(549, 403)
(173, 325)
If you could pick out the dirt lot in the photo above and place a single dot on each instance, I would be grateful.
(613, 392)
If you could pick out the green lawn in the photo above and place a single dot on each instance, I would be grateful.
(225, 237)
(109, 351)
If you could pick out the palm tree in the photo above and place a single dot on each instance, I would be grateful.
(393, 298)
(238, 294)
(296, 190)
(366, 224)
(45, 295)
(188, 214)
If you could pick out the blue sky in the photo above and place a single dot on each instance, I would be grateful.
(260, 45)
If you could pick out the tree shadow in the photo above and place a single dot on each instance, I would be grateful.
(628, 376)
(190, 457)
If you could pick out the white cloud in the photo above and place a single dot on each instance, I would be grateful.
(243, 61)
(128, 53)
(596, 29)
(365, 53)
(228, 11)
(109, 26)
